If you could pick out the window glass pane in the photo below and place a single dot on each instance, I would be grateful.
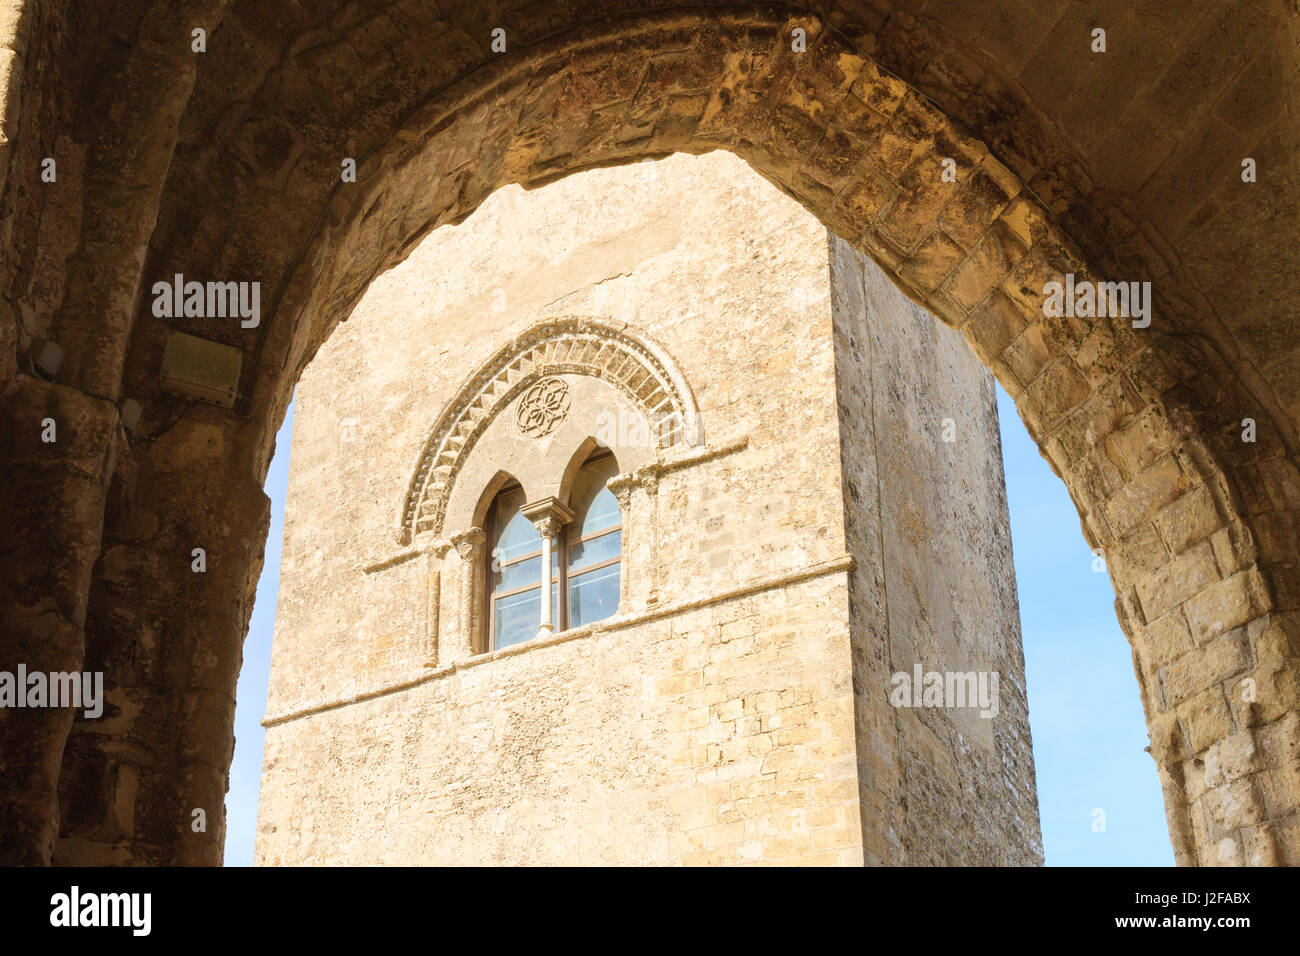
(602, 514)
(516, 535)
(595, 550)
(517, 575)
(593, 596)
(595, 506)
(516, 617)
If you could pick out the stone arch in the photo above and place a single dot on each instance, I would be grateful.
(1200, 533)
(576, 460)
(488, 494)
(637, 367)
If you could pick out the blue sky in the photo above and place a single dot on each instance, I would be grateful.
(250, 696)
(1084, 712)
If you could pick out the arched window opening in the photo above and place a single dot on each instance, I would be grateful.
(514, 556)
(586, 558)
(595, 544)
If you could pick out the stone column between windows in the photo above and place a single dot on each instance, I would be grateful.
(434, 558)
(638, 585)
(621, 487)
(648, 478)
(548, 516)
(469, 545)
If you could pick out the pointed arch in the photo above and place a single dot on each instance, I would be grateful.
(489, 493)
(579, 458)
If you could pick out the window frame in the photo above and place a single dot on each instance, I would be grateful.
(490, 594)
(560, 550)
(592, 537)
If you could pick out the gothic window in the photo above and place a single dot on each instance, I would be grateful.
(594, 544)
(586, 555)
(515, 571)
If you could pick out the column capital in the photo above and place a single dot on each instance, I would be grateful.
(622, 486)
(646, 477)
(548, 515)
(468, 542)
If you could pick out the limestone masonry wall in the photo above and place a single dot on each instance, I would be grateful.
(934, 583)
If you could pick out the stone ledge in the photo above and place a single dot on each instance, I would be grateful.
(839, 565)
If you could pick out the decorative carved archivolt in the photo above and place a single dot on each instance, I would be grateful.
(637, 367)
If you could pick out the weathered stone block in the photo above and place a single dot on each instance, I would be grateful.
(1189, 519)
(1223, 605)
(1167, 638)
(1146, 494)
(1194, 673)
(1204, 719)
(1054, 394)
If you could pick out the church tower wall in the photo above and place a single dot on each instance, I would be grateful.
(684, 315)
